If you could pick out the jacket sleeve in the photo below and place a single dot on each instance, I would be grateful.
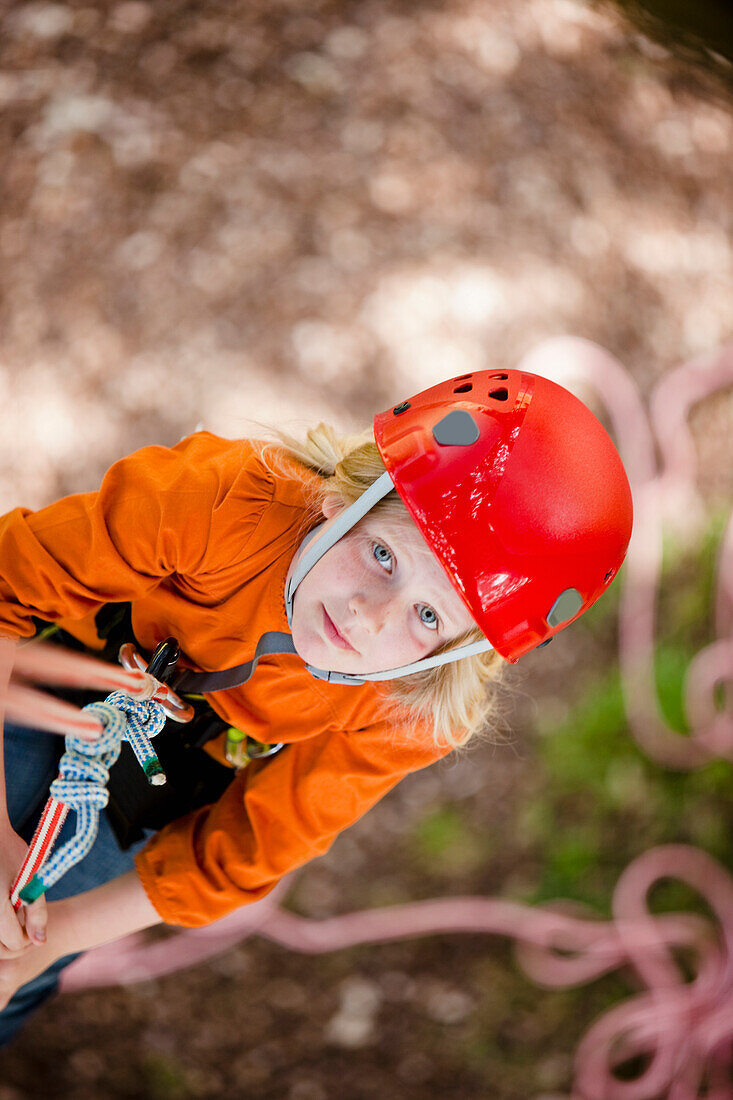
(159, 511)
(273, 818)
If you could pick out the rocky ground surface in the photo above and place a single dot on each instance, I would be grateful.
(300, 210)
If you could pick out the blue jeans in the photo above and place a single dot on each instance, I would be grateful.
(31, 763)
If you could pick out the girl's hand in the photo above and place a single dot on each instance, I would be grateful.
(15, 972)
(87, 920)
(21, 930)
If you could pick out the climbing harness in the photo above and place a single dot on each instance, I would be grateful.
(239, 748)
(83, 777)
(194, 776)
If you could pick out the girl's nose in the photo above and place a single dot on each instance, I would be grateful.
(371, 611)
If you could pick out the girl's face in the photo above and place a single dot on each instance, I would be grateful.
(376, 600)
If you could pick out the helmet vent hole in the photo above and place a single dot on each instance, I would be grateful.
(500, 395)
(498, 377)
(463, 377)
(465, 388)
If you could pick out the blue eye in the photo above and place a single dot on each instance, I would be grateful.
(382, 554)
(428, 617)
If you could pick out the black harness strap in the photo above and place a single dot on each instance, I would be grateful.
(275, 641)
(194, 778)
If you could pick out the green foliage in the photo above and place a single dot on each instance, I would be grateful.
(603, 801)
(670, 668)
(165, 1079)
(688, 583)
(444, 844)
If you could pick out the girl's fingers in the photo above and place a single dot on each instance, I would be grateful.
(51, 664)
(13, 940)
(8, 647)
(33, 708)
(9, 953)
(36, 917)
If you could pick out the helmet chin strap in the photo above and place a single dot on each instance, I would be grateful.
(315, 551)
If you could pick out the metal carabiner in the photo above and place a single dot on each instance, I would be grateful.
(264, 750)
(163, 661)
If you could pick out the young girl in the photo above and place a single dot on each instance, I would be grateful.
(349, 600)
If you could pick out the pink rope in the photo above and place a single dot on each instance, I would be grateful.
(684, 1026)
(670, 405)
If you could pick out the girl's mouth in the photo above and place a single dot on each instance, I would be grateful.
(333, 635)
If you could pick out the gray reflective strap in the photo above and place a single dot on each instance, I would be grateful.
(275, 641)
(404, 670)
(340, 526)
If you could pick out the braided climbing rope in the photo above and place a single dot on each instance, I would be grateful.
(82, 786)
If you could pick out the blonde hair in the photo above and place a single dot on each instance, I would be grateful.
(453, 700)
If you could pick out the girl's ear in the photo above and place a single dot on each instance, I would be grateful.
(332, 505)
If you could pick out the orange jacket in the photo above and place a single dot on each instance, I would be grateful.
(199, 537)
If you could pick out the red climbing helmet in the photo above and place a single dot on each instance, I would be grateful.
(521, 494)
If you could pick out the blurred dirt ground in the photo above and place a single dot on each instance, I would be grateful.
(301, 210)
